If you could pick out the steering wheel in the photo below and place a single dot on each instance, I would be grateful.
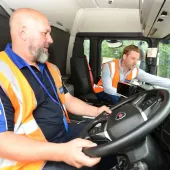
(131, 120)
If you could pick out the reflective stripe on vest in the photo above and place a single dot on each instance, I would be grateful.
(97, 88)
(24, 102)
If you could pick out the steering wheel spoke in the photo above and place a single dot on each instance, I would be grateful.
(99, 133)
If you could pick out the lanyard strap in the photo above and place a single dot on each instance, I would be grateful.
(42, 85)
(55, 92)
(54, 89)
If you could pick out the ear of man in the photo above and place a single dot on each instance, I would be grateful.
(23, 33)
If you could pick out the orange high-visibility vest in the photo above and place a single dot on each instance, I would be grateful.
(115, 74)
(22, 97)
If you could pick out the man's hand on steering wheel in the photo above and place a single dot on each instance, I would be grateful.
(72, 153)
(103, 109)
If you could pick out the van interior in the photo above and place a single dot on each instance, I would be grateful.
(88, 33)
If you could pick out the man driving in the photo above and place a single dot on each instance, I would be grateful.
(35, 130)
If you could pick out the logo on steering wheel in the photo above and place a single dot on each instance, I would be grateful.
(120, 115)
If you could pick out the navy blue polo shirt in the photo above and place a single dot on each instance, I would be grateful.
(47, 114)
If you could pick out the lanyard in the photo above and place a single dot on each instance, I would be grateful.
(47, 92)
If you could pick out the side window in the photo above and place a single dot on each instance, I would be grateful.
(87, 48)
(164, 60)
(112, 49)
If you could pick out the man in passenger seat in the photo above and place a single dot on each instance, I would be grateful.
(125, 70)
(34, 124)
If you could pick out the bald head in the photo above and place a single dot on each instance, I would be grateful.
(30, 33)
(25, 17)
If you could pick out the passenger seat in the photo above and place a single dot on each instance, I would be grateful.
(82, 80)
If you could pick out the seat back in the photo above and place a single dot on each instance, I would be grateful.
(80, 76)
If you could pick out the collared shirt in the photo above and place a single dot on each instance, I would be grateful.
(18, 61)
(48, 114)
(142, 76)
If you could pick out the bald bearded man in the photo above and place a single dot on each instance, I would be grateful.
(34, 102)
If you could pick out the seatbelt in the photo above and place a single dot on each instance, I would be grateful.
(90, 73)
(96, 88)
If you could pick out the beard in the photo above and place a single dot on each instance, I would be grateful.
(39, 54)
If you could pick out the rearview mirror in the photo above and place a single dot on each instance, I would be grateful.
(114, 43)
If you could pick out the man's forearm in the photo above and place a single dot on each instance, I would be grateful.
(78, 107)
(154, 80)
(21, 148)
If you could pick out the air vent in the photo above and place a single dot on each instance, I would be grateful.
(164, 14)
(160, 20)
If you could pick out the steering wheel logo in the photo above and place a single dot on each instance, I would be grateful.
(120, 115)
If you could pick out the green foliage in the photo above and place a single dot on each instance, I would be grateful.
(117, 52)
(87, 47)
(109, 52)
(164, 60)
(112, 53)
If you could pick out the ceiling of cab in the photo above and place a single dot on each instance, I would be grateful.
(106, 20)
(130, 4)
(59, 12)
(62, 13)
